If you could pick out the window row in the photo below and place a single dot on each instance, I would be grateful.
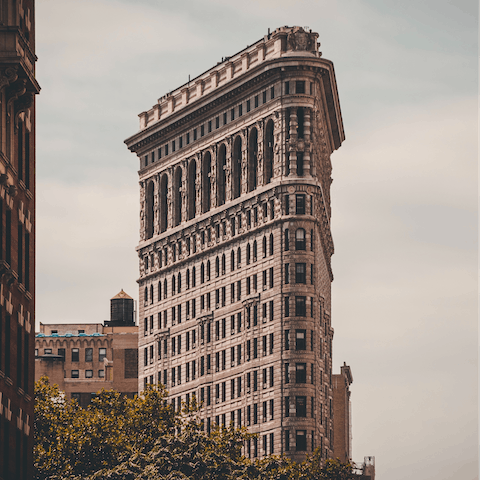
(220, 268)
(300, 273)
(300, 239)
(88, 373)
(186, 188)
(249, 350)
(75, 353)
(220, 120)
(300, 306)
(300, 205)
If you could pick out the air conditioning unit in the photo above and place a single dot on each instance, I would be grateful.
(217, 305)
(217, 337)
(233, 331)
(248, 389)
(188, 317)
(264, 320)
(264, 386)
(193, 344)
(202, 341)
(233, 363)
(217, 400)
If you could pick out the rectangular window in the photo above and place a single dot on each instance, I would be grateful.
(301, 440)
(287, 339)
(301, 373)
(102, 353)
(101, 374)
(271, 344)
(300, 306)
(287, 440)
(287, 306)
(209, 126)
(225, 118)
(217, 122)
(287, 406)
(180, 142)
(300, 204)
(188, 138)
(287, 273)
(300, 340)
(300, 273)
(271, 284)
(271, 308)
(75, 356)
(255, 380)
(311, 275)
(300, 86)
(287, 373)
(194, 134)
(88, 373)
(256, 101)
(287, 88)
(89, 354)
(248, 105)
(264, 97)
(272, 93)
(240, 110)
(173, 145)
(75, 373)
(232, 114)
(202, 130)
(255, 348)
(287, 240)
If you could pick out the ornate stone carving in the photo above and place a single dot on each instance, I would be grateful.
(8, 75)
(300, 40)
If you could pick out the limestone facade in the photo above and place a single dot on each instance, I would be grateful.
(235, 243)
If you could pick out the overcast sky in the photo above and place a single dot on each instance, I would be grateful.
(404, 196)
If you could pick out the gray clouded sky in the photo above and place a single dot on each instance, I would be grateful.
(403, 197)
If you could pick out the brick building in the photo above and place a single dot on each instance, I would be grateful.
(235, 242)
(84, 358)
(18, 87)
(342, 431)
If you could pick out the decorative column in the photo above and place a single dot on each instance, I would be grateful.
(292, 144)
(228, 169)
(198, 186)
(306, 135)
(278, 136)
(213, 177)
(244, 162)
(260, 153)
(142, 211)
(170, 198)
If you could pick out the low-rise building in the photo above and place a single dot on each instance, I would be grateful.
(84, 358)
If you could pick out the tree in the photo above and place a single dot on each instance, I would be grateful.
(143, 438)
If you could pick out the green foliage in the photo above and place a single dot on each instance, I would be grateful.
(117, 438)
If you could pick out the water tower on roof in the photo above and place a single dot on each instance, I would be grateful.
(121, 311)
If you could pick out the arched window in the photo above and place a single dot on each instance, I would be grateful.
(232, 261)
(264, 247)
(173, 285)
(221, 174)
(145, 295)
(149, 211)
(202, 273)
(206, 185)
(159, 291)
(268, 162)
(208, 270)
(179, 283)
(192, 194)
(254, 250)
(217, 267)
(271, 244)
(188, 278)
(300, 243)
(224, 264)
(163, 204)
(194, 277)
(252, 159)
(237, 168)
(248, 254)
(165, 290)
(177, 191)
(239, 257)
(151, 293)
